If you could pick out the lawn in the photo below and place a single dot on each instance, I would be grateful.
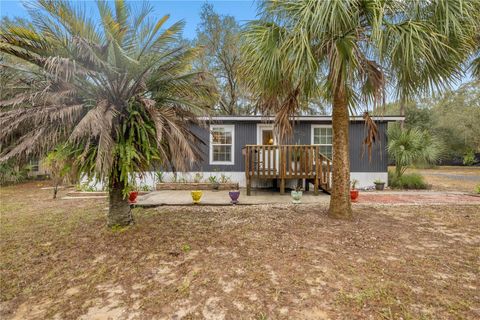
(58, 261)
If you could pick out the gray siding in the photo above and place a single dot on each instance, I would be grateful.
(379, 160)
(246, 133)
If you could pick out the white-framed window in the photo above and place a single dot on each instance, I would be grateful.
(34, 165)
(222, 144)
(322, 136)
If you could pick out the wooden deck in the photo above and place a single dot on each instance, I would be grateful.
(282, 162)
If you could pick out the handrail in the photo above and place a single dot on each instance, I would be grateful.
(287, 162)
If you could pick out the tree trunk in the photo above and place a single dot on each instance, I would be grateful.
(398, 171)
(119, 213)
(55, 191)
(340, 205)
(402, 112)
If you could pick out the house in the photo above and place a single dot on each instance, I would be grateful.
(245, 149)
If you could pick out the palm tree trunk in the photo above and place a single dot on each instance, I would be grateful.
(398, 170)
(119, 213)
(340, 205)
(55, 191)
(402, 112)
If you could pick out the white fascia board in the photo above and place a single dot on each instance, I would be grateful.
(299, 118)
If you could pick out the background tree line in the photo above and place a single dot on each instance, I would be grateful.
(219, 37)
(452, 117)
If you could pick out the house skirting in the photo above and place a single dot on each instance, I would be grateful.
(365, 179)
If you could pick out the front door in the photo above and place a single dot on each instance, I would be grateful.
(266, 137)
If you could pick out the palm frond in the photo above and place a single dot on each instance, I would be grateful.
(122, 93)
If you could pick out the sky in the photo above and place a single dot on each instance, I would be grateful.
(187, 10)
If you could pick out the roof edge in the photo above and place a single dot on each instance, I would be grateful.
(297, 118)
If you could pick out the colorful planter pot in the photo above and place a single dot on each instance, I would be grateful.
(234, 196)
(196, 196)
(132, 197)
(379, 186)
(296, 196)
(354, 195)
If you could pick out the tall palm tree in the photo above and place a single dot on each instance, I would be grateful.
(120, 91)
(350, 52)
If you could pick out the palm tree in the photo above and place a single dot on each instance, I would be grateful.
(412, 146)
(350, 52)
(120, 91)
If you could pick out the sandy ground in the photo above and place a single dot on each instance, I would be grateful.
(58, 261)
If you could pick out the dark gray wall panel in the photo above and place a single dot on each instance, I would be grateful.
(246, 133)
(379, 160)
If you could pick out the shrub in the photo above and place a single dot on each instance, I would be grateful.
(198, 177)
(11, 174)
(145, 187)
(160, 176)
(469, 158)
(60, 163)
(224, 178)
(409, 147)
(406, 181)
(477, 189)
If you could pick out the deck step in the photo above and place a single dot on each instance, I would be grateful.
(321, 186)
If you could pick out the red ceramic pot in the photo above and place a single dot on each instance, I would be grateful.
(354, 195)
(132, 197)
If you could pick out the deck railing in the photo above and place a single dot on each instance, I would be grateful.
(287, 162)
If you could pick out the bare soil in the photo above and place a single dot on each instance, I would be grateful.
(59, 261)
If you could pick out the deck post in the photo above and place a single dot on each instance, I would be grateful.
(318, 165)
(283, 156)
(247, 168)
(249, 185)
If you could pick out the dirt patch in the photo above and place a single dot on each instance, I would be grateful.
(420, 199)
(58, 261)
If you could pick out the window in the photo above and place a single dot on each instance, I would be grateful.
(34, 165)
(222, 144)
(322, 136)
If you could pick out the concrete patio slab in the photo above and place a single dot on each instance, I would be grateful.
(259, 197)
(219, 198)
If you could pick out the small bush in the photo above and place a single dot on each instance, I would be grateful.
(198, 177)
(160, 176)
(11, 174)
(469, 158)
(477, 189)
(406, 181)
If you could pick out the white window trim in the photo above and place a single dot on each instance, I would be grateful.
(230, 127)
(312, 135)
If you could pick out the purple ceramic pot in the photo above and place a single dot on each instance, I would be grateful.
(234, 196)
